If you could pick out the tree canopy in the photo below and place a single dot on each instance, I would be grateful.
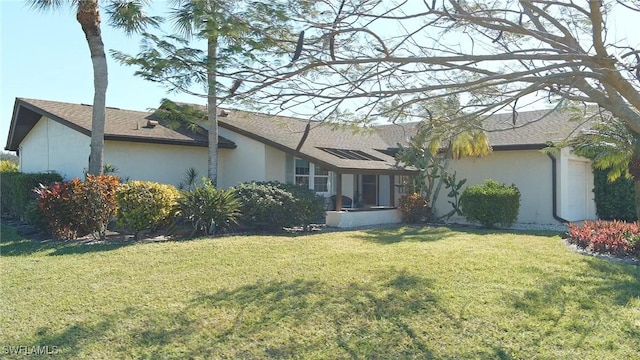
(374, 59)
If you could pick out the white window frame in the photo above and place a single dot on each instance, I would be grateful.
(312, 176)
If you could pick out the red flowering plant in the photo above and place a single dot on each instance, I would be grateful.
(616, 237)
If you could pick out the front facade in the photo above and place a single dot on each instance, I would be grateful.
(352, 171)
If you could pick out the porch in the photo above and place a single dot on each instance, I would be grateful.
(364, 199)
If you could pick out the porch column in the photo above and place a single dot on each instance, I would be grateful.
(338, 191)
(392, 190)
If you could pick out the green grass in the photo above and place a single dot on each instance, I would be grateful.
(399, 293)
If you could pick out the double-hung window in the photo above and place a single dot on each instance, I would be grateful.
(311, 176)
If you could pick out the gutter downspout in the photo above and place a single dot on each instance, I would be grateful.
(554, 186)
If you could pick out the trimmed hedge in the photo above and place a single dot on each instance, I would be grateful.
(614, 200)
(274, 205)
(18, 199)
(491, 203)
(145, 205)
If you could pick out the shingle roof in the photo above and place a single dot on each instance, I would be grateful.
(123, 125)
(532, 130)
(285, 133)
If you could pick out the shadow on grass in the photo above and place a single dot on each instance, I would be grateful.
(13, 244)
(601, 285)
(270, 319)
(436, 233)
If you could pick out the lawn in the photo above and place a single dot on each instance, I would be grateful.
(390, 293)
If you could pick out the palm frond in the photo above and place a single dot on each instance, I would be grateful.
(130, 16)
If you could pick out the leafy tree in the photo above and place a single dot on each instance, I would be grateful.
(386, 59)
(124, 14)
(239, 35)
(7, 156)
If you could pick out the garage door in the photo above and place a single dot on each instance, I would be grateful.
(578, 190)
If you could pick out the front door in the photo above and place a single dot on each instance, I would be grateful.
(370, 190)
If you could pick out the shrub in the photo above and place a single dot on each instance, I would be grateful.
(273, 205)
(210, 210)
(145, 205)
(17, 196)
(414, 207)
(616, 237)
(614, 200)
(8, 166)
(77, 208)
(491, 203)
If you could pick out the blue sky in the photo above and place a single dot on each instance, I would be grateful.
(44, 55)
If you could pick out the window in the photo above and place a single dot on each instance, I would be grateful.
(320, 179)
(403, 184)
(303, 172)
(311, 176)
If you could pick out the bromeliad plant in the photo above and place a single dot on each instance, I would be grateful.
(618, 238)
(208, 209)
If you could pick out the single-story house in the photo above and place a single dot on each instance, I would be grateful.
(55, 136)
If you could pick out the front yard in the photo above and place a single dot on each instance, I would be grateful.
(390, 293)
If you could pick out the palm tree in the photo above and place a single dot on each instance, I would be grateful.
(614, 148)
(201, 18)
(127, 15)
(239, 36)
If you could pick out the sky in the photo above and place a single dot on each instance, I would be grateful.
(44, 55)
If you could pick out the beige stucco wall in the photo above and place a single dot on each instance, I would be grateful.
(50, 146)
(155, 162)
(244, 163)
(529, 170)
(275, 164)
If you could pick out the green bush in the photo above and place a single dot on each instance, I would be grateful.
(210, 210)
(77, 208)
(18, 196)
(491, 203)
(414, 207)
(614, 200)
(273, 205)
(145, 205)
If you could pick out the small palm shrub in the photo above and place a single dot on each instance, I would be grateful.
(414, 207)
(208, 209)
(77, 208)
(491, 203)
(145, 205)
(273, 205)
(616, 237)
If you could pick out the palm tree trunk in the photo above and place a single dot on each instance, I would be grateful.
(636, 185)
(212, 107)
(88, 16)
